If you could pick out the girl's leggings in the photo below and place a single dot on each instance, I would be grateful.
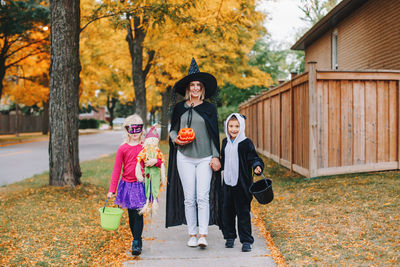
(136, 224)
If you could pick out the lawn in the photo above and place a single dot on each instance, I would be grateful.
(58, 226)
(338, 220)
(11, 139)
(22, 138)
(47, 226)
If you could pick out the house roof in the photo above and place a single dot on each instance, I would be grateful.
(333, 18)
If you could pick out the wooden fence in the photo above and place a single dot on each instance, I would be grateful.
(26, 124)
(329, 122)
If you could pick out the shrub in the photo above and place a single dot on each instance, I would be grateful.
(89, 124)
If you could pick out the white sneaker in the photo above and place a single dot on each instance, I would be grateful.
(202, 242)
(192, 242)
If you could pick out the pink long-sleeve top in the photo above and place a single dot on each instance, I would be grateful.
(126, 159)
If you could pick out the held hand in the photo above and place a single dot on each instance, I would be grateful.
(150, 162)
(215, 164)
(257, 170)
(110, 195)
(180, 142)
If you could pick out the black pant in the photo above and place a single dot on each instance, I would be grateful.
(136, 224)
(236, 204)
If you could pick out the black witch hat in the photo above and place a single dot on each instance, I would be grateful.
(194, 74)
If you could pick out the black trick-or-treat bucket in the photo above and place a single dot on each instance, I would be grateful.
(262, 190)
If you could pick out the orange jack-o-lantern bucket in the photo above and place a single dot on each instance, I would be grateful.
(186, 134)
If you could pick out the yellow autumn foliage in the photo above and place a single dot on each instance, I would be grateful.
(30, 83)
(105, 60)
(218, 34)
(220, 39)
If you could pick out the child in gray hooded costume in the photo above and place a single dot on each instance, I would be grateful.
(239, 160)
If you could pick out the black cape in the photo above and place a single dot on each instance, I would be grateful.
(175, 210)
(248, 161)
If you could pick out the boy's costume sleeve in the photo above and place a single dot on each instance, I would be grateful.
(175, 209)
(248, 161)
(253, 157)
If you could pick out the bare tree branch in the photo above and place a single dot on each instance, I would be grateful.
(4, 48)
(22, 58)
(25, 46)
(22, 78)
(151, 54)
(16, 38)
(98, 18)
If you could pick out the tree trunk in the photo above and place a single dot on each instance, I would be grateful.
(2, 75)
(45, 118)
(135, 38)
(110, 106)
(166, 95)
(152, 116)
(64, 93)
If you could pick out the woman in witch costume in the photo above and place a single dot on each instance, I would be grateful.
(193, 169)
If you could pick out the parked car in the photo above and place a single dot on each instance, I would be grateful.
(117, 122)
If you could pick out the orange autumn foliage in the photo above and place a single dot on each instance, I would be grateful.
(27, 80)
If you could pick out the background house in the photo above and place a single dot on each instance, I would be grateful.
(99, 113)
(355, 35)
(343, 114)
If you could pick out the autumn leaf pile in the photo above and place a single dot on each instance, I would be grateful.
(58, 226)
(334, 221)
(43, 225)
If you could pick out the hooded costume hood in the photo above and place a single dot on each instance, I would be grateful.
(231, 169)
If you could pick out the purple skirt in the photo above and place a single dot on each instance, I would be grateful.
(130, 195)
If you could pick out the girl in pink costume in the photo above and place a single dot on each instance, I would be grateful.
(130, 193)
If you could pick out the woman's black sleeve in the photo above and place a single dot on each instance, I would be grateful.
(222, 157)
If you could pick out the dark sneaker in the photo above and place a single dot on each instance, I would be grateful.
(246, 247)
(136, 247)
(229, 243)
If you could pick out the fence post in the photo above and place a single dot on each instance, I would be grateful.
(291, 123)
(312, 117)
(280, 129)
(398, 123)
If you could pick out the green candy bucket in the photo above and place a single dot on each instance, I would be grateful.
(110, 218)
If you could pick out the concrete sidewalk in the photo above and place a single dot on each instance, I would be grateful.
(167, 247)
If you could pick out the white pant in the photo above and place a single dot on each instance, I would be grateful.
(195, 174)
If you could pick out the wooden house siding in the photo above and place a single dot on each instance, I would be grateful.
(368, 38)
(329, 122)
(321, 52)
